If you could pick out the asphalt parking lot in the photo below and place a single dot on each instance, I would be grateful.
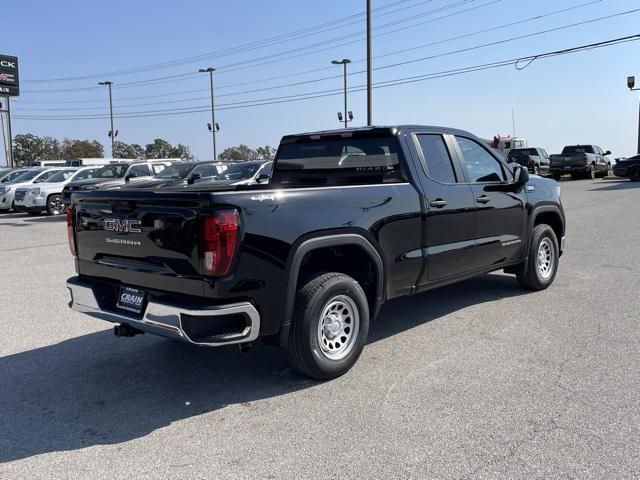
(477, 380)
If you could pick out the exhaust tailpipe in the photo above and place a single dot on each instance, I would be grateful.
(125, 330)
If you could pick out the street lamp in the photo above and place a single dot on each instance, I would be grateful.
(213, 127)
(112, 133)
(631, 83)
(348, 116)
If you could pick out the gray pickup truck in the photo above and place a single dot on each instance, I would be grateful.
(581, 161)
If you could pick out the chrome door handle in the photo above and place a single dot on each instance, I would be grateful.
(483, 199)
(439, 203)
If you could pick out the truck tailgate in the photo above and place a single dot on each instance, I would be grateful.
(145, 238)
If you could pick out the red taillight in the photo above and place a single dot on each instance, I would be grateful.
(530, 160)
(585, 159)
(220, 240)
(70, 233)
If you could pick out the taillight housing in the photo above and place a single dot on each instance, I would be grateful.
(70, 233)
(585, 159)
(220, 241)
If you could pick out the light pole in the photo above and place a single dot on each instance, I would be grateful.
(214, 125)
(112, 132)
(369, 76)
(347, 115)
(631, 83)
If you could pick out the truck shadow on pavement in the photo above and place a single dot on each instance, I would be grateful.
(618, 184)
(97, 389)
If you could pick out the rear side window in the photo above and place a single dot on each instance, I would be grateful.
(480, 164)
(344, 161)
(437, 158)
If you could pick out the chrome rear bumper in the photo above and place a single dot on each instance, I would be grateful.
(167, 320)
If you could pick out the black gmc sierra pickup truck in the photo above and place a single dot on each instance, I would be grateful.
(348, 220)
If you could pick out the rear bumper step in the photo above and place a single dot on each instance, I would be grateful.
(212, 326)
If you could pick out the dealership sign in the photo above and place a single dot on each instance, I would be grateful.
(9, 83)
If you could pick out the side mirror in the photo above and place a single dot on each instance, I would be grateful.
(262, 178)
(520, 176)
(194, 177)
(608, 152)
(128, 177)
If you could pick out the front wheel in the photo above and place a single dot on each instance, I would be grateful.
(541, 264)
(634, 175)
(330, 326)
(55, 205)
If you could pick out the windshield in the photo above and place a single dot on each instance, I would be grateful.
(178, 170)
(13, 175)
(577, 150)
(60, 176)
(26, 176)
(45, 176)
(84, 174)
(112, 171)
(521, 152)
(241, 171)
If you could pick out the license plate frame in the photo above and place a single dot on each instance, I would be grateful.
(130, 299)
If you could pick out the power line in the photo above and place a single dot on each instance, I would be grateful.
(295, 35)
(317, 80)
(270, 58)
(252, 82)
(520, 63)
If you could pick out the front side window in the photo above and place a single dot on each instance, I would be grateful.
(141, 170)
(480, 164)
(60, 176)
(437, 158)
(204, 170)
(157, 168)
(338, 161)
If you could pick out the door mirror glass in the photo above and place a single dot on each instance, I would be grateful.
(520, 176)
(194, 177)
(608, 152)
(262, 178)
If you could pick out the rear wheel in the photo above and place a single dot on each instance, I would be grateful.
(536, 170)
(55, 205)
(542, 262)
(592, 172)
(330, 326)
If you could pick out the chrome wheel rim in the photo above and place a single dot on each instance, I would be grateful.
(55, 206)
(338, 327)
(593, 172)
(546, 258)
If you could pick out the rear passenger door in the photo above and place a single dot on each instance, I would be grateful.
(450, 210)
(499, 225)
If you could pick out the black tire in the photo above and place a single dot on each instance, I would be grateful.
(634, 175)
(556, 176)
(531, 276)
(318, 294)
(609, 172)
(536, 170)
(55, 205)
(592, 172)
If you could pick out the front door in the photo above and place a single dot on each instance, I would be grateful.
(449, 240)
(500, 213)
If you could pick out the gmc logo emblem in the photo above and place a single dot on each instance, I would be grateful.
(7, 64)
(123, 226)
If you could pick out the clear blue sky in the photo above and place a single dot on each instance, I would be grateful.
(567, 99)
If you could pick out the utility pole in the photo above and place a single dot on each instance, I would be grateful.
(348, 116)
(631, 83)
(8, 143)
(369, 77)
(214, 126)
(112, 132)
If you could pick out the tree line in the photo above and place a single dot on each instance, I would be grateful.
(28, 148)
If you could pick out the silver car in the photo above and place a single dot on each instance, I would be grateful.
(31, 176)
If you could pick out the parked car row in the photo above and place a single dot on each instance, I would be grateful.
(35, 190)
(579, 161)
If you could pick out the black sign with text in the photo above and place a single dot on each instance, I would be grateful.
(9, 82)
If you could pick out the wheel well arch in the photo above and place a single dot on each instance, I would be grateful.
(350, 253)
(551, 217)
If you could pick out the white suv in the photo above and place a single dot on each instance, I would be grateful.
(28, 177)
(47, 195)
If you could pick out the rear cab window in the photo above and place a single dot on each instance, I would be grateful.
(577, 149)
(329, 161)
(436, 157)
